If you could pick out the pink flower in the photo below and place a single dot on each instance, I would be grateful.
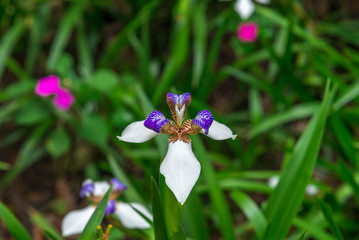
(248, 32)
(63, 99)
(47, 86)
(50, 85)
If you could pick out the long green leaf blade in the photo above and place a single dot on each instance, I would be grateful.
(158, 217)
(217, 197)
(96, 218)
(283, 204)
(8, 42)
(13, 225)
(252, 212)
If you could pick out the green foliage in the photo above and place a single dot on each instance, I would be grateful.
(120, 58)
(13, 225)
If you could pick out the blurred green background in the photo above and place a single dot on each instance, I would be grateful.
(119, 58)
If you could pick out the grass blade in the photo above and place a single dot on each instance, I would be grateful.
(13, 225)
(200, 34)
(63, 34)
(44, 225)
(96, 218)
(8, 42)
(216, 195)
(328, 214)
(158, 217)
(180, 41)
(295, 113)
(113, 50)
(284, 202)
(252, 212)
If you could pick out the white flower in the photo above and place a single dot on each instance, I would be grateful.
(310, 190)
(180, 166)
(245, 8)
(75, 221)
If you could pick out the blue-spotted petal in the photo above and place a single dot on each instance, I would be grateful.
(155, 121)
(204, 120)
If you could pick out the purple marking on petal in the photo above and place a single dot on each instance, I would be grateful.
(179, 99)
(110, 208)
(87, 189)
(63, 99)
(117, 185)
(204, 119)
(47, 85)
(155, 121)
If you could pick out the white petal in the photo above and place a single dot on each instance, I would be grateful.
(136, 132)
(101, 188)
(130, 218)
(263, 1)
(219, 131)
(75, 221)
(244, 8)
(181, 169)
(273, 181)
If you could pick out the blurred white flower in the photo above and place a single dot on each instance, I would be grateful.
(75, 221)
(245, 8)
(310, 190)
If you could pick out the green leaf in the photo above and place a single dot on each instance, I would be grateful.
(276, 120)
(68, 23)
(172, 208)
(302, 237)
(58, 143)
(193, 218)
(104, 80)
(200, 42)
(218, 200)
(351, 93)
(94, 129)
(284, 202)
(179, 52)
(40, 221)
(252, 212)
(112, 52)
(345, 138)
(8, 41)
(96, 218)
(159, 222)
(13, 225)
(328, 214)
(131, 194)
(33, 112)
(312, 229)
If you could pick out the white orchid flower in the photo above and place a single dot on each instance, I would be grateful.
(180, 166)
(245, 8)
(75, 221)
(310, 190)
